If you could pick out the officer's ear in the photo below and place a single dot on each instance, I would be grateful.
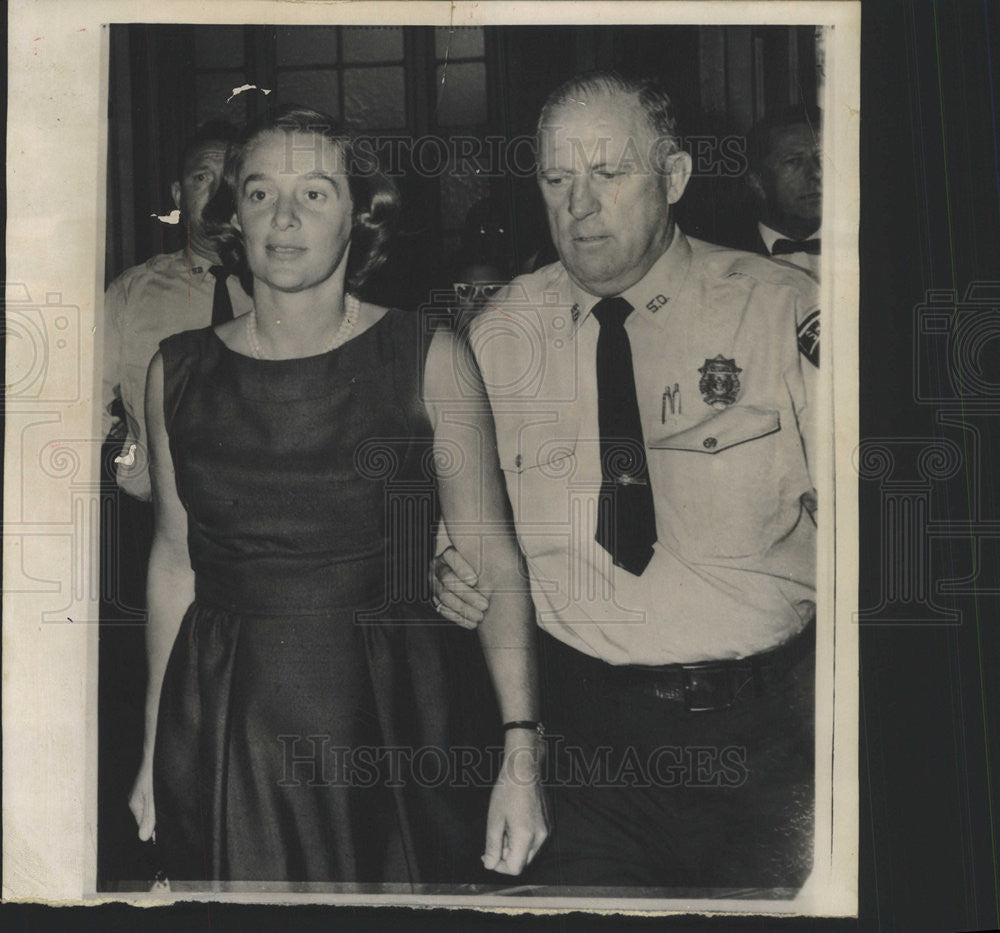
(175, 193)
(677, 167)
(235, 221)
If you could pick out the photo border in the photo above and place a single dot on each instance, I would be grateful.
(58, 86)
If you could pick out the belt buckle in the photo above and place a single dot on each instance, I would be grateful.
(710, 693)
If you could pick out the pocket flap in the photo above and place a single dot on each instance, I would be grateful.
(733, 426)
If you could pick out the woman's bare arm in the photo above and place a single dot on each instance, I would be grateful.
(478, 518)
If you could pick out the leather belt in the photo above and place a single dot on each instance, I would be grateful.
(707, 686)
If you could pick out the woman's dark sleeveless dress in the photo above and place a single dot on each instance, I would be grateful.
(308, 680)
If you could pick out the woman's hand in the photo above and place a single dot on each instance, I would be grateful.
(518, 820)
(453, 583)
(140, 801)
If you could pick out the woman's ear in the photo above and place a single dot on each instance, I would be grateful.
(235, 221)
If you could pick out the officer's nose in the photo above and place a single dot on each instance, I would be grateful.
(581, 198)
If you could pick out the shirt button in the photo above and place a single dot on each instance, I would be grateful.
(518, 461)
(709, 443)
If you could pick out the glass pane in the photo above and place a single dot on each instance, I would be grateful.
(373, 43)
(462, 97)
(458, 193)
(374, 98)
(315, 89)
(307, 45)
(218, 46)
(213, 89)
(458, 42)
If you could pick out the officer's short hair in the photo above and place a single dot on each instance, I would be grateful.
(759, 137)
(652, 98)
(375, 198)
(214, 131)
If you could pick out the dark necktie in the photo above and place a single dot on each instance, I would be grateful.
(626, 523)
(785, 247)
(222, 305)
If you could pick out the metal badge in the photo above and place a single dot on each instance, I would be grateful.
(720, 382)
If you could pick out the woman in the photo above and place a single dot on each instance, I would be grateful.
(282, 444)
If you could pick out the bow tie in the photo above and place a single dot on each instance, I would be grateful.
(784, 247)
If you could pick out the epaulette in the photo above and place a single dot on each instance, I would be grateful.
(531, 290)
(725, 262)
(771, 272)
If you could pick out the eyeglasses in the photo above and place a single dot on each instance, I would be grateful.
(472, 291)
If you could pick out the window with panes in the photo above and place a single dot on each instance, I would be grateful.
(385, 80)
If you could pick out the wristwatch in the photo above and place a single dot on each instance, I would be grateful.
(533, 724)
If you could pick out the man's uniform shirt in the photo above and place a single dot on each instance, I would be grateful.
(726, 400)
(807, 261)
(167, 294)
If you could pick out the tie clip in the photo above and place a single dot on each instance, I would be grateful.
(626, 480)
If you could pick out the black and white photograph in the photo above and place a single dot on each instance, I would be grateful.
(454, 490)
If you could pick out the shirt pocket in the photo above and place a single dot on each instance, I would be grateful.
(718, 485)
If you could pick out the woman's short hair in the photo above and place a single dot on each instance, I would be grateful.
(375, 198)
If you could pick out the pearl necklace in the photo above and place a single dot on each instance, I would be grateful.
(352, 307)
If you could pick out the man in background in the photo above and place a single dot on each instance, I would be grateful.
(169, 293)
(785, 179)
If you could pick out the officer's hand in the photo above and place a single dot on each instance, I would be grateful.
(453, 582)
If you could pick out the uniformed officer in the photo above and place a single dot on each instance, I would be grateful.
(653, 404)
(167, 294)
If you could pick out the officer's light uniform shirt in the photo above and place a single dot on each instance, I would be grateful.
(807, 261)
(145, 304)
(733, 571)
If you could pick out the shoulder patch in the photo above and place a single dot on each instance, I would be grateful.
(808, 333)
